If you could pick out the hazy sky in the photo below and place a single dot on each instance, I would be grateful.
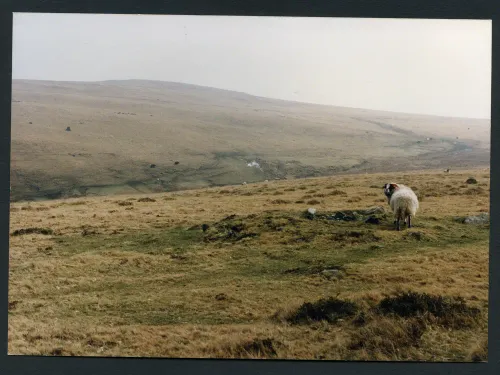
(438, 67)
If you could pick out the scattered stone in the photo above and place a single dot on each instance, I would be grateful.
(373, 211)
(221, 297)
(68, 129)
(344, 216)
(483, 218)
(332, 274)
(176, 163)
(146, 199)
(311, 212)
(205, 227)
(31, 122)
(373, 220)
(471, 180)
(152, 166)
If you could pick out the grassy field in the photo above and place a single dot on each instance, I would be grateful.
(242, 272)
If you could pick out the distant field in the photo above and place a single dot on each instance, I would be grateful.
(136, 275)
(118, 129)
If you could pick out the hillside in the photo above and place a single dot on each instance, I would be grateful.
(200, 137)
(241, 272)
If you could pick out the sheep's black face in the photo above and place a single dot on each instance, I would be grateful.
(389, 190)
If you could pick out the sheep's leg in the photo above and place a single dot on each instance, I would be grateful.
(398, 218)
(409, 221)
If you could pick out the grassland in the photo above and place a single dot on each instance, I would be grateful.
(141, 275)
(120, 128)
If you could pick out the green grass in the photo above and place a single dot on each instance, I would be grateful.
(154, 242)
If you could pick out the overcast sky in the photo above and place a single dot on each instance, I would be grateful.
(440, 67)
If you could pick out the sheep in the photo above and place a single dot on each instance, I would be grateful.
(403, 202)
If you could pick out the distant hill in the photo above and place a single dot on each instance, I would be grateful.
(127, 136)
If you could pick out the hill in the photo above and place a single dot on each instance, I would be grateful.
(149, 136)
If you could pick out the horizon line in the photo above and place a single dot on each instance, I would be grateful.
(252, 95)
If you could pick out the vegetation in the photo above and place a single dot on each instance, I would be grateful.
(231, 273)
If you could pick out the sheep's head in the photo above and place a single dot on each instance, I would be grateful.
(389, 189)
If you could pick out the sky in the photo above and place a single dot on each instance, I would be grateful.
(436, 67)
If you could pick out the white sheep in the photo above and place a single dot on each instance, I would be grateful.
(403, 202)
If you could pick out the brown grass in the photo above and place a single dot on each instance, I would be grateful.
(151, 282)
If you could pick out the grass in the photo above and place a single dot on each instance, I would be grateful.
(187, 275)
(247, 128)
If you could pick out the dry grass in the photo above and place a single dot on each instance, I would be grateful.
(107, 152)
(154, 281)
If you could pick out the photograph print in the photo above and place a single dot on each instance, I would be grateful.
(250, 187)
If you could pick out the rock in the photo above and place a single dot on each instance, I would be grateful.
(152, 166)
(471, 180)
(68, 129)
(311, 212)
(146, 199)
(176, 163)
(373, 211)
(372, 220)
(204, 227)
(345, 216)
(221, 297)
(483, 218)
(332, 274)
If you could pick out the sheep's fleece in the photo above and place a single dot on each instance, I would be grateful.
(403, 201)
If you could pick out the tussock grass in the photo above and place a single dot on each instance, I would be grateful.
(209, 274)
(328, 309)
(20, 232)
